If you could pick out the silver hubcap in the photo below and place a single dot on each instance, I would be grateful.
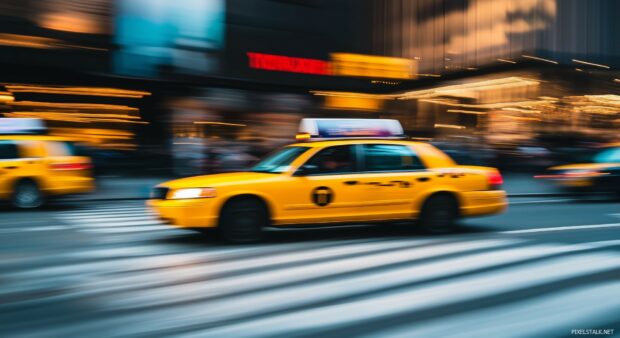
(27, 196)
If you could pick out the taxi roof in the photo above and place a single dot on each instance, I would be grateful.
(325, 143)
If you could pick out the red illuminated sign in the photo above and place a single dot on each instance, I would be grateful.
(288, 64)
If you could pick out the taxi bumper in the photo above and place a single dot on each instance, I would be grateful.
(191, 213)
(478, 203)
(77, 185)
(574, 183)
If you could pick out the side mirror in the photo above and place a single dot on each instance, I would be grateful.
(306, 169)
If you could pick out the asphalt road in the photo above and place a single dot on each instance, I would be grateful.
(107, 269)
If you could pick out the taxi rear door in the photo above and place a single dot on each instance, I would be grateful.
(65, 170)
(393, 177)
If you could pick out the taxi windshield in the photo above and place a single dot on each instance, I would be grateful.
(279, 161)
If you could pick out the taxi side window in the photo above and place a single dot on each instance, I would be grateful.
(334, 160)
(608, 156)
(8, 150)
(390, 157)
(57, 148)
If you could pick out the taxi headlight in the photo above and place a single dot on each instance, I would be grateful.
(188, 193)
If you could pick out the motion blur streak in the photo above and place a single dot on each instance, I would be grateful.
(104, 103)
(127, 269)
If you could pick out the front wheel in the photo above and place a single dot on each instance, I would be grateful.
(242, 220)
(27, 195)
(439, 214)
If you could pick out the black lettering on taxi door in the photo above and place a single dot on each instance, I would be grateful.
(322, 196)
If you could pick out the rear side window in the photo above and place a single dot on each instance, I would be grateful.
(57, 148)
(390, 157)
(8, 150)
(608, 156)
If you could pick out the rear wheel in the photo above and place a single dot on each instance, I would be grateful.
(27, 195)
(242, 220)
(439, 214)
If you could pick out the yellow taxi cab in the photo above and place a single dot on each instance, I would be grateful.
(35, 167)
(599, 175)
(346, 171)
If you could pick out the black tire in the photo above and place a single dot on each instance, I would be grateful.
(27, 195)
(242, 220)
(439, 214)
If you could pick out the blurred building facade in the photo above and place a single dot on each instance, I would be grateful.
(508, 73)
(212, 84)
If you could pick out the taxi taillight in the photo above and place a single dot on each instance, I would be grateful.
(495, 180)
(71, 166)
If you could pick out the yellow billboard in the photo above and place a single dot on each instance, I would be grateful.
(347, 64)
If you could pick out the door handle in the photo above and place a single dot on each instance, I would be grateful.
(423, 179)
(10, 167)
(351, 182)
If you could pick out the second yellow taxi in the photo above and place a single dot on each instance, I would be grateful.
(345, 171)
(35, 167)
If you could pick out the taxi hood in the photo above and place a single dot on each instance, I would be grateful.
(214, 180)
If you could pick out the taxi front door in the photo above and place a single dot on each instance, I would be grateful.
(16, 162)
(327, 191)
(9, 167)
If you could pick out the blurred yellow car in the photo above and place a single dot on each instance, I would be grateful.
(36, 167)
(350, 179)
(601, 175)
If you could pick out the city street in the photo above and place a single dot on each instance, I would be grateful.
(489, 129)
(551, 265)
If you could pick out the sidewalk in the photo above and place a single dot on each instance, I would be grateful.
(127, 188)
(121, 188)
(524, 185)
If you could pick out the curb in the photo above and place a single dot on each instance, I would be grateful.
(542, 194)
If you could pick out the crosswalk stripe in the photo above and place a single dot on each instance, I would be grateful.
(274, 278)
(563, 228)
(129, 227)
(95, 215)
(278, 254)
(283, 298)
(119, 221)
(321, 290)
(314, 320)
(37, 228)
(123, 219)
(559, 313)
(111, 209)
(235, 309)
(217, 269)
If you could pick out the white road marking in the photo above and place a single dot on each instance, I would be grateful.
(563, 228)
(558, 313)
(540, 201)
(419, 298)
(281, 277)
(281, 298)
(39, 228)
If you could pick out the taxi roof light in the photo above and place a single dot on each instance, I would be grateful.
(327, 128)
(22, 126)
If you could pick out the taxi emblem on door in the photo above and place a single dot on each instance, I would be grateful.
(322, 196)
